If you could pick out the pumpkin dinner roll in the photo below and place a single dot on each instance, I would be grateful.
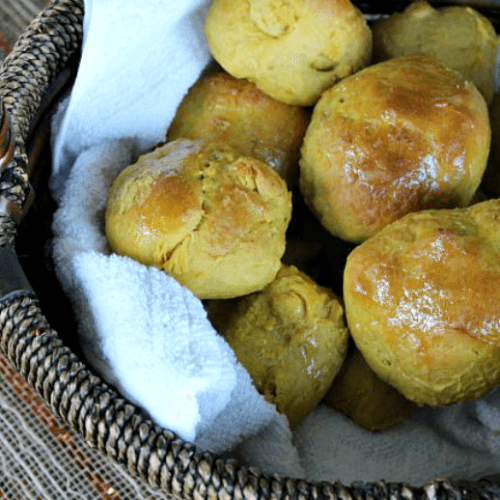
(291, 49)
(400, 136)
(291, 337)
(359, 394)
(457, 36)
(423, 303)
(209, 217)
(222, 108)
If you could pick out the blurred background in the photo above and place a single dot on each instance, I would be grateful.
(14, 17)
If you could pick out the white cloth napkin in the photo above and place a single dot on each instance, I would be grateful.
(455, 442)
(138, 58)
(149, 336)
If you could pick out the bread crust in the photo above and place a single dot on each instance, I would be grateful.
(212, 219)
(397, 137)
(234, 111)
(422, 303)
(291, 337)
(457, 36)
(292, 50)
(361, 395)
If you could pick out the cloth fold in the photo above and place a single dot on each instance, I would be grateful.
(439, 443)
(149, 336)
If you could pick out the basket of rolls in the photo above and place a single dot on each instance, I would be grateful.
(251, 248)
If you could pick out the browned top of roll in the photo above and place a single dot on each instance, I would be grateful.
(394, 138)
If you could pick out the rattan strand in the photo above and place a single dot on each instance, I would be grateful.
(76, 396)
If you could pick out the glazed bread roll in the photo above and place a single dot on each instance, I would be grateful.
(423, 303)
(397, 137)
(222, 108)
(291, 49)
(212, 219)
(367, 400)
(457, 36)
(291, 337)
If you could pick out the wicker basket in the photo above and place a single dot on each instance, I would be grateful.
(42, 63)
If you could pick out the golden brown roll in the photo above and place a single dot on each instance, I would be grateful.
(397, 137)
(457, 36)
(423, 303)
(292, 49)
(291, 337)
(212, 219)
(367, 400)
(222, 108)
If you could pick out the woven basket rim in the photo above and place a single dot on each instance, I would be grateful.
(94, 409)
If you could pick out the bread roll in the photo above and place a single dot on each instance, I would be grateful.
(367, 400)
(291, 49)
(291, 337)
(222, 108)
(212, 219)
(423, 303)
(397, 137)
(457, 36)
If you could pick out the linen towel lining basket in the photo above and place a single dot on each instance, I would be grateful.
(43, 63)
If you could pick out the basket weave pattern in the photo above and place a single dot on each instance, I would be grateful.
(75, 395)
